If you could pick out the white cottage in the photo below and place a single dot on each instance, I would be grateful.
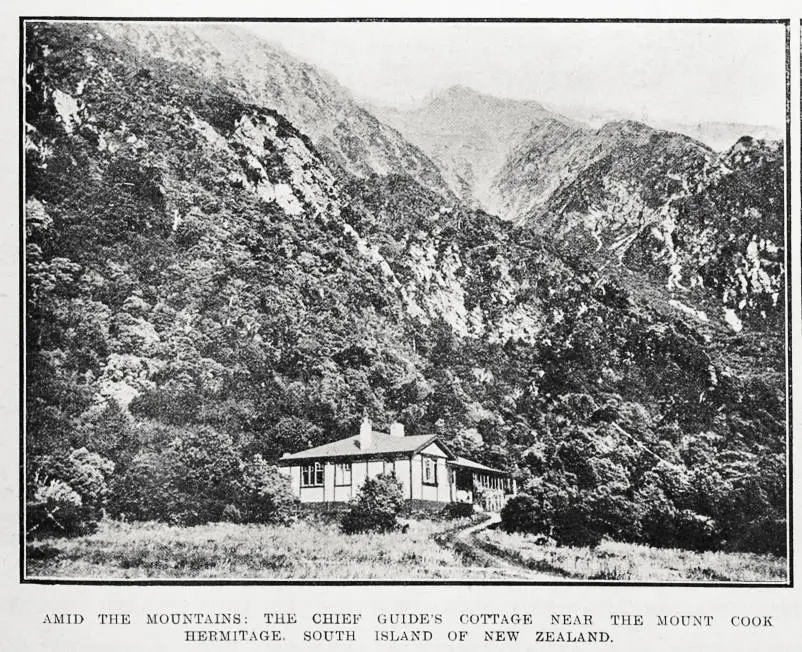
(428, 471)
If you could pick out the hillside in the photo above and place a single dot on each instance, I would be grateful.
(704, 229)
(717, 135)
(204, 285)
(345, 134)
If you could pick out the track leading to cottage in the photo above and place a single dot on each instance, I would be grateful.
(463, 541)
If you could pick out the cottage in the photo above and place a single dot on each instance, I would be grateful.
(429, 472)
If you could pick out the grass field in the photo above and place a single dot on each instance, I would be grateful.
(316, 549)
(635, 563)
(305, 550)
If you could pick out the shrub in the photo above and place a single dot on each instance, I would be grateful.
(658, 517)
(572, 517)
(522, 513)
(574, 526)
(231, 514)
(766, 534)
(266, 496)
(66, 494)
(457, 510)
(205, 474)
(143, 491)
(55, 509)
(606, 511)
(695, 531)
(375, 507)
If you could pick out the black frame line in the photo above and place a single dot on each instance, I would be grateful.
(24, 579)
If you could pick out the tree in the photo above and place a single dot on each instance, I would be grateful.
(187, 481)
(66, 494)
(266, 496)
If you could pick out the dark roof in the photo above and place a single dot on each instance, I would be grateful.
(383, 444)
(470, 464)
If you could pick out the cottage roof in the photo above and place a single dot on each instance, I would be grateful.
(470, 464)
(382, 444)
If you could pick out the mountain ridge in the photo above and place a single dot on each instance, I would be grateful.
(350, 137)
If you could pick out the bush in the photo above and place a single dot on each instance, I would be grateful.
(55, 509)
(695, 531)
(574, 526)
(375, 507)
(522, 513)
(457, 510)
(66, 495)
(142, 492)
(658, 517)
(606, 511)
(766, 534)
(266, 496)
(231, 514)
(572, 517)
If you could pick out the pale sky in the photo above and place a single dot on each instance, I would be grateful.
(681, 72)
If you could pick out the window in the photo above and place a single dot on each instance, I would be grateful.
(342, 473)
(389, 467)
(429, 470)
(312, 475)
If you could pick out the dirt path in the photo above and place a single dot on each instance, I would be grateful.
(463, 541)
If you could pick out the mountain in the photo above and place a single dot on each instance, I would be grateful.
(201, 275)
(347, 136)
(697, 223)
(717, 135)
(720, 136)
(469, 135)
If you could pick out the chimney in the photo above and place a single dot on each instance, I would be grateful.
(365, 433)
(397, 429)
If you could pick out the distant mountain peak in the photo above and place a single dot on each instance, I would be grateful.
(459, 93)
(626, 126)
(470, 134)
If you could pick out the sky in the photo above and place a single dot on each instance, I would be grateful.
(682, 72)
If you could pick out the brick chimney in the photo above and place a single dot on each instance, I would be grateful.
(365, 433)
(397, 429)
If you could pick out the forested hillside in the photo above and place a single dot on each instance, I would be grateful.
(206, 290)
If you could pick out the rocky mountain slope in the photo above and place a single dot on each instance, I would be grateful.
(198, 270)
(346, 135)
(470, 135)
(661, 204)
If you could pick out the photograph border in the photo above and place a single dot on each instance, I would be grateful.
(24, 579)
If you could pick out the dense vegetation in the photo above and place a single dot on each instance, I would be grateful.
(203, 296)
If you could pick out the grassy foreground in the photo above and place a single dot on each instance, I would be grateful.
(614, 561)
(304, 550)
(316, 549)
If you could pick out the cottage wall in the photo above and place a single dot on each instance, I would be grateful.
(358, 474)
(402, 467)
(312, 494)
(440, 492)
(328, 482)
(375, 467)
(415, 477)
